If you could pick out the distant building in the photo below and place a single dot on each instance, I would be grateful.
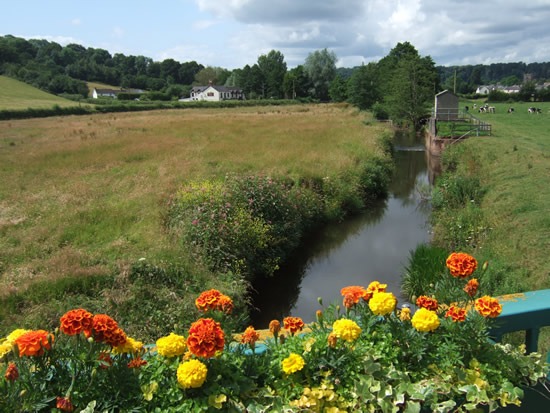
(113, 93)
(215, 93)
(485, 89)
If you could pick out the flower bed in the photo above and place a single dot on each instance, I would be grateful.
(366, 354)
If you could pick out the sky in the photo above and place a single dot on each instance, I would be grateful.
(233, 33)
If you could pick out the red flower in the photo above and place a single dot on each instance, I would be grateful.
(63, 403)
(136, 363)
(427, 303)
(105, 329)
(205, 338)
(12, 373)
(214, 300)
(471, 287)
(33, 343)
(373, 288)
(457, 313)
(293, 324)
(461, 265)
(355, 292)
(75, 321)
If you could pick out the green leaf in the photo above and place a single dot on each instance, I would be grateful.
(412, 407)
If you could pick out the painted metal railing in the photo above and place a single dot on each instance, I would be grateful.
(457, 122)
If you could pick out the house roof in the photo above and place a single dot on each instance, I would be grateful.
(199, 89)
(446, 91)
(117, 91)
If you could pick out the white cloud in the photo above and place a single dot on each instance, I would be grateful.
(76, 22)
(118, 32)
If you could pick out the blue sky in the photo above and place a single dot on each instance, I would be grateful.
(233, 33)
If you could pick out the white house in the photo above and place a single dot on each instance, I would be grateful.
(215, 93)
(484, 90)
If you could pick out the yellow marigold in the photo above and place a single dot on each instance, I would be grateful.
(488, 306)
(332, 340)
(382, 303)
(346, 329)
(192, 374)
(131, 346)
(461, 265)
(5, 348)
(293, 363)
(373, 288)
(425, 320)
(16, 333)
(171, 346)
(405, 314)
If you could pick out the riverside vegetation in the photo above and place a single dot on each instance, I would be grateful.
(492, 201)
(87, 218)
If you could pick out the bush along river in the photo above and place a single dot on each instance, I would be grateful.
(372, 246)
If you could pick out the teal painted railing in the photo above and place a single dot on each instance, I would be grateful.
(527, 311)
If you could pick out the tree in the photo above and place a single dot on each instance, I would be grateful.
(338, 89)
(273, 69)
(363, 88)
(527, 91)
(320, 67)
(216, 75)
(296, 83)
(510, 80)
(475, 79)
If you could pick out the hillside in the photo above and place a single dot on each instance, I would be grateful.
(18, 95)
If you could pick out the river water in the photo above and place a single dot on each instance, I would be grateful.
(372, 246)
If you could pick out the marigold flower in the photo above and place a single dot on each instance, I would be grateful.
(136, 363)
(5, 348)
(33, 343)
(471, 287)
(373, 288)
(205, 338)
(12, 374)
(115, 338)
(425, 320)
(427, 302)
(319, 315)
(16, 333)
(131, 346)
(192, 374)
(488, 306)
(64, 404)
(214, 300)
(76, 321)
(405, 314)
(105, 360)
(332, 340)
(250, 336)
(105, 329)
(456, 313)
(382, 303)
(461, 265)
(274, 327)
(293, 324)
(293, 363)
(346, 329)
(171, 346)
(355, 291)
(349, 301)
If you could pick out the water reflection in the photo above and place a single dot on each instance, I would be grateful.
(372, 246)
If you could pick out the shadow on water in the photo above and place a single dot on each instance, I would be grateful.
(372, 246)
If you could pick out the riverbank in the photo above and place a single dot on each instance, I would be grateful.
(82, 207)
(507, 223)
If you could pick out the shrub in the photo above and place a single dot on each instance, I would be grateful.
(425, 267)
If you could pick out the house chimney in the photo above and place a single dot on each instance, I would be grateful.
(209, 83)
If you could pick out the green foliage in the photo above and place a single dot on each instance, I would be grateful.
(338, 90)
(425, 267)
(363, 88)
(320, 67)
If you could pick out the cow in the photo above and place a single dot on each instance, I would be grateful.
(491, 109)
(510, 110)
(532, 110)
(539, 110)
(466, 108)
(475, 105)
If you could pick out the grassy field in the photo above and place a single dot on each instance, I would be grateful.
(514, 166)
(18, 95)
(82, 197)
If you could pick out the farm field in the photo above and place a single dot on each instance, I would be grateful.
(18, 95)
(82, 197)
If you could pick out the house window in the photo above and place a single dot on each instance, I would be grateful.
(210, 93)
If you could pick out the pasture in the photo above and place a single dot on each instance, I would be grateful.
(82, 197)
(18, 95)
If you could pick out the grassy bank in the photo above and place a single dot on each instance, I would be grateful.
(493, 200)
(83, 199)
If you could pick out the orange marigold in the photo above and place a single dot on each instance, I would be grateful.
(225, 304)
(349, 301)
(64, 404)
(332, 339)
(471, 287)
(461, 265)
(356, 292)
(293, 324)
(136, 363)
(214, 300)
(427, 302)
(105, 329)
(33, 343)
(12, 373)
(250, 336)
(274, 327)
(205, 338)
(456, 313)
(75, 321)
(373, 288)
(488, 306)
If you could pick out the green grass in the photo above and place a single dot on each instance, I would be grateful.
(84, 196)
(18, 95)
(514, 167)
